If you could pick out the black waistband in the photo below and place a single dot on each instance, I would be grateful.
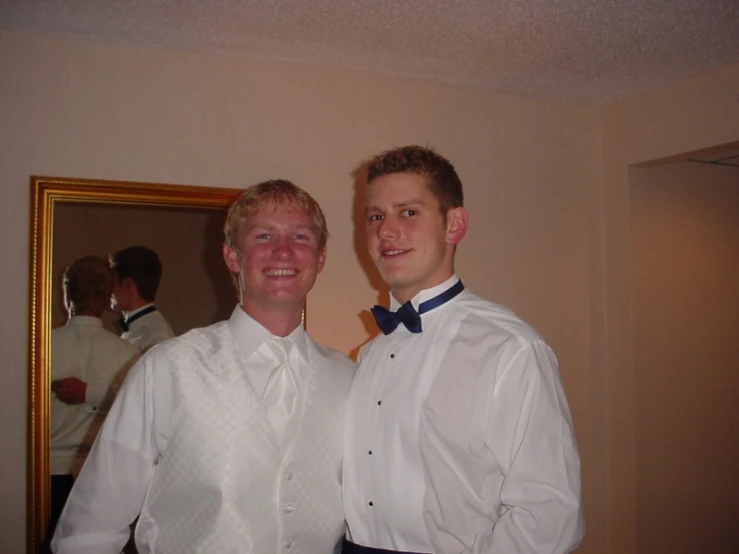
(353, 548)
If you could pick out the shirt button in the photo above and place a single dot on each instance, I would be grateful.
(379, 402)
(371, 503)
(370, 452)
(392, 355)
(289, 508)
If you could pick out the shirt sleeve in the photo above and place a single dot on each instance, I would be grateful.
(530, 435)
(110, 490)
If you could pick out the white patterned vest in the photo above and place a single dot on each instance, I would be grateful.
(223, 486)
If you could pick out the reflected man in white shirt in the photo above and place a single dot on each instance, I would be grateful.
(458, 437)
(138, 272)
(228, 438)
(85, 360)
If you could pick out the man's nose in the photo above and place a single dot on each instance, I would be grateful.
(388, 228)
(282, 248)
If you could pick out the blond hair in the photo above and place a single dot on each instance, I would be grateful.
(278, 193)
(88, 285)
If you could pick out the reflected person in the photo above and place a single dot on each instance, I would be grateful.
(85, 359)
(228, 438)
(138, 272)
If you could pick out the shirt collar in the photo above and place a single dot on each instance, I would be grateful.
(85, 320)
(137, 310)
(249, 334)
(426, 294)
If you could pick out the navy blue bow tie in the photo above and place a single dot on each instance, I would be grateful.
(388, 321)
(125, 324)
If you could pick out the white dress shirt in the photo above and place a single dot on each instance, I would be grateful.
(188, 446)
(148, 330)
(459, 439)
(84, 349)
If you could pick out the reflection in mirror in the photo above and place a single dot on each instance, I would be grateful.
(71, 218)
(195, 287)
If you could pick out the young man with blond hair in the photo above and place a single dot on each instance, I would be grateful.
(228, 438)
(458, 434)
(86, 359)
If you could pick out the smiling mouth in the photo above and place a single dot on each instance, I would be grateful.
(280, 272)
(394, 253)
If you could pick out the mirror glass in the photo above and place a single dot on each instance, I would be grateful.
(71, 218)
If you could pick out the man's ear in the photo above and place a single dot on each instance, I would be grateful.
(321, 260)
(456, 225)
(232, 258)
(128, 284)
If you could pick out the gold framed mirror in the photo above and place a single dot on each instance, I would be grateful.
(48, 196)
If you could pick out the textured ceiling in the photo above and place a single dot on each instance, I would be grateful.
(585, 51)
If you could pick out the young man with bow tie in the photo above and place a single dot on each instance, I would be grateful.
(138, 272)
(228, 439)
(458, 435)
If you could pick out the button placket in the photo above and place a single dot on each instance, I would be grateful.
(289, 506)
(370, 453)
(393, 349)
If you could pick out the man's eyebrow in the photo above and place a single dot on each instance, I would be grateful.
(403, 204)
(269, 227)
(409, 202)
(304, 228)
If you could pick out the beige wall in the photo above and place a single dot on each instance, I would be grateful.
(685, 269)
(195, 289)
(549, 208)
(694, 114)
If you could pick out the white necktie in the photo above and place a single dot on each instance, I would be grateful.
(281, 393)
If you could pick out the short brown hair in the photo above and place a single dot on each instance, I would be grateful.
(142, 265)
(439, 172)
(88, 284)
(275, 192)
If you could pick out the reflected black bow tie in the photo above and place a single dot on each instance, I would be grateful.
(388, 321)
(125, 324)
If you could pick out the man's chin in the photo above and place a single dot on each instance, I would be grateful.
(285, 298)
(396, 279)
